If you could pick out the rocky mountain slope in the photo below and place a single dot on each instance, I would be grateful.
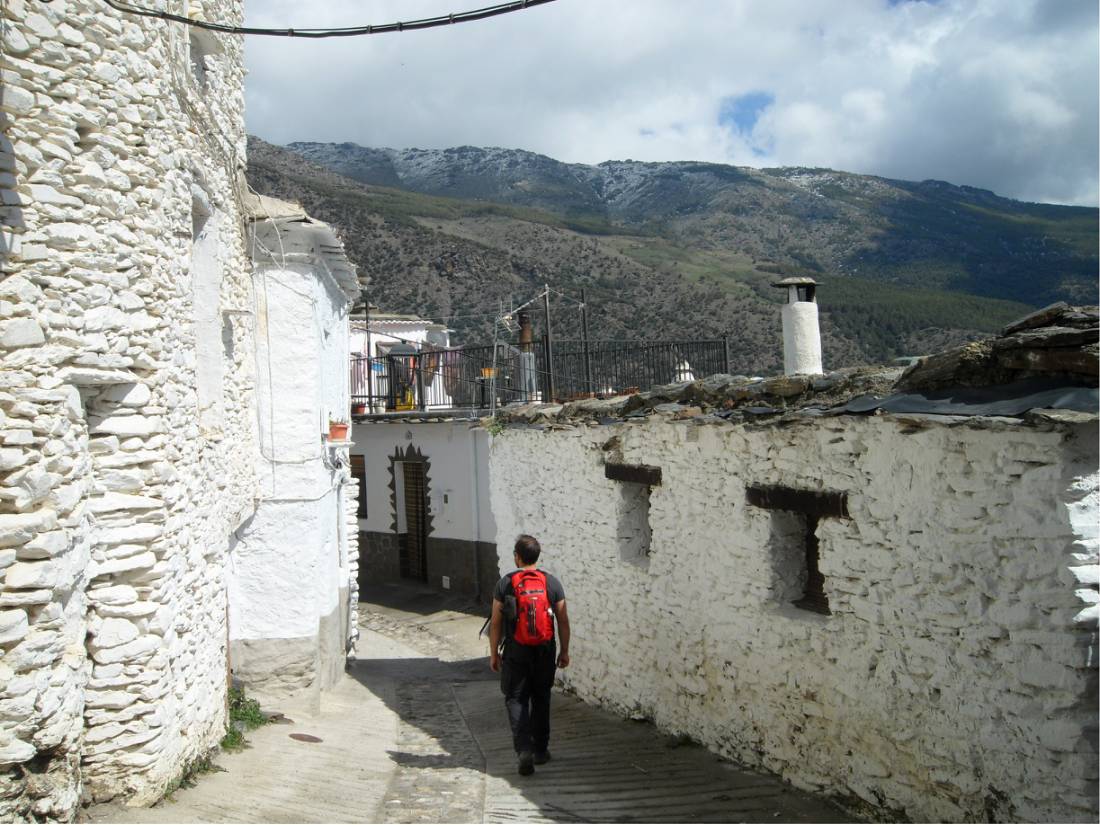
(663, 250)
(929, 234)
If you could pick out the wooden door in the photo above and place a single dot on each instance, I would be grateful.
(414, 559)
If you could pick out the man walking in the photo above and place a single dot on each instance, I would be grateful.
(525, 604)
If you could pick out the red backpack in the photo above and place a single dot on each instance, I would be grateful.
(534, 619)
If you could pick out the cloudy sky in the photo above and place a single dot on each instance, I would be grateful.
(1000, 94)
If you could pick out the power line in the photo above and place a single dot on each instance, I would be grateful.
(580, 304)
(566, 297)
(347, 31)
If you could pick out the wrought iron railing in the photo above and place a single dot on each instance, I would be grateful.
(611, 367)
(476, 379)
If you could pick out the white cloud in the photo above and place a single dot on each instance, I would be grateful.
(1000, 94)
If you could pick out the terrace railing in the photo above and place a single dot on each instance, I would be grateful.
(472, 378)
(612, 367)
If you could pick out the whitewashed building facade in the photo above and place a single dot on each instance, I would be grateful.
(294, 563)
(425, 516)
(131, 461)
(384, 347)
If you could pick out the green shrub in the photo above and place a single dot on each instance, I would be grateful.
(189, 776)
(244, 710)
(244, 714)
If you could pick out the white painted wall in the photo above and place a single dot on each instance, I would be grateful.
(386, 331)
(292, 559)
(458, 452)
(801, 338)
(955, 678)
(276, 594)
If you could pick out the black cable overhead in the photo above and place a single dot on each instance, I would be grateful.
(348, 31)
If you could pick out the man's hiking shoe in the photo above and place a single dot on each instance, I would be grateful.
(542, 757)
(526, 763)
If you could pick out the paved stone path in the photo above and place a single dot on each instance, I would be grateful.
(417, 733)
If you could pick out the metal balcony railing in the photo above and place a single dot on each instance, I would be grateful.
(471, 378)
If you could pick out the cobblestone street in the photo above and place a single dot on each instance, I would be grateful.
(417, 733)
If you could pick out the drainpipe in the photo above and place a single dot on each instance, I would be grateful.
(476, 508)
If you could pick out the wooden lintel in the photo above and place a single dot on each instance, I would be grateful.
(819, 503)
(634, 473)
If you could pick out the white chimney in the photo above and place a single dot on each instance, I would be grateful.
(801, 333)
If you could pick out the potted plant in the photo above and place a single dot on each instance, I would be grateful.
(359, 408)
(337, 430)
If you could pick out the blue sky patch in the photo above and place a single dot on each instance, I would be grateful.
(742, 112)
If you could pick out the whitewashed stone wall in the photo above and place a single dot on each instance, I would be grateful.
(291, 566)
(117, 500)
(956, 677)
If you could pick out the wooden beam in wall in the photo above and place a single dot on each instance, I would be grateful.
(634, 473)
(818, 503)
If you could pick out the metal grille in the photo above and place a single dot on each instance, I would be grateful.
(414, 552)
(472, 378)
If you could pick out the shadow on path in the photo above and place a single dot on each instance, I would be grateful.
(438, 770)
(419, 601)
(455, 762)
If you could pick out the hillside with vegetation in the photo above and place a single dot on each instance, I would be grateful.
(686, 250)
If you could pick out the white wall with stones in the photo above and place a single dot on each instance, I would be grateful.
(956, 677)
(120, 171)
(291, 601)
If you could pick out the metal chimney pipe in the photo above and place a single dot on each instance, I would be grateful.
(801, 330)
(526, 331)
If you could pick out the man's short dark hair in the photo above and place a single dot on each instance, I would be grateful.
(528, 549)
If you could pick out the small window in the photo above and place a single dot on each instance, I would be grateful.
(359, 472)
(200, 213)
(203, 46)
(794, 546)
(633, 531)
(229, 346)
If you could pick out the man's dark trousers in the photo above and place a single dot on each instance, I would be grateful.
(526, 677)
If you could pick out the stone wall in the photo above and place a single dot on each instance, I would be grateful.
(352, 539)
(126, 396)
(955, 678)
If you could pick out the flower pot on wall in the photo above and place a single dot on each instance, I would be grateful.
(358, 409)
(337, 431)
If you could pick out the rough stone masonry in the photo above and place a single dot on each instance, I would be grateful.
(946, 666)
(126, 384)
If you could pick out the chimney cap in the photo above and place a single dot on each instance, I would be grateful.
(797, 281)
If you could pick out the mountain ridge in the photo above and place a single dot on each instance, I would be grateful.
(927, 233)
(703, 272)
